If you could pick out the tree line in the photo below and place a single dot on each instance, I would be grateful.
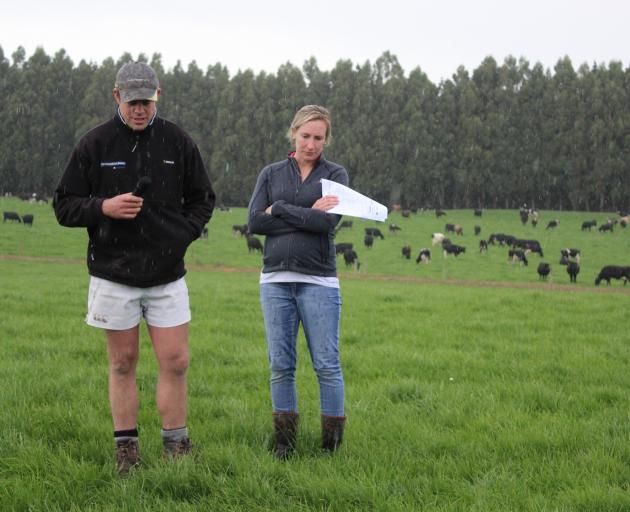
(498, 137)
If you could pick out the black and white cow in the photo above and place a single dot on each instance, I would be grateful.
(517, 255)
(240, 229)
(406, 252)
(424, 256)
(571, 254)
(553, 224)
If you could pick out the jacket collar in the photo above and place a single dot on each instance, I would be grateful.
(118, 118)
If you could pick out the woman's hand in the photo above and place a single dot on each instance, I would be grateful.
(325, 203)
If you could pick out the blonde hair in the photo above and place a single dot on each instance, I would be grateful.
(309, 113)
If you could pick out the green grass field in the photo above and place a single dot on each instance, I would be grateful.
(470, 385)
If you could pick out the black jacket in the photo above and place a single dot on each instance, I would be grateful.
(109, 160)
(298, 238)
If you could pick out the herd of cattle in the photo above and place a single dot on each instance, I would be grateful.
(15, 217)
(518, 248)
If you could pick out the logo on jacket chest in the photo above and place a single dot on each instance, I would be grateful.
(114, 166)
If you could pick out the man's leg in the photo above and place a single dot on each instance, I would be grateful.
(122, 350)
(171, 349)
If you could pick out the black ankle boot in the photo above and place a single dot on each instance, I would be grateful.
(285, 426)
(332, 432)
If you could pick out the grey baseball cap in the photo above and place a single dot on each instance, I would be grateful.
(137, 81)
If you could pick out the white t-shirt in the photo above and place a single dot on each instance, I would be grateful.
(287, 276)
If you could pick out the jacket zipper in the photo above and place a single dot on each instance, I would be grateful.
(136, 143)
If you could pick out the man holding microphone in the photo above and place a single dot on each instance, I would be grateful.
(138, 184)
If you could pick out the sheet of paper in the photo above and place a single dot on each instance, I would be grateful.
(352, 203)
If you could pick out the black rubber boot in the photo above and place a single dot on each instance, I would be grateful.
(285, 426)
(332, 432)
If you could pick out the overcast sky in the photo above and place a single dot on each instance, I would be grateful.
(436, 35)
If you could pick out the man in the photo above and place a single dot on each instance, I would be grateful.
(139, 186)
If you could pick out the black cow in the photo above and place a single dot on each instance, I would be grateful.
(449, 228)
(240, 229)
(393, 228)
(477, 230)
(588, 224)
(517, 255)
(11, 216)
(453, 249)
(543, 270)
(253, 244)
(28, 219)
(374, 232)
(613, 272)
(368, 241)
(553, 224)
(439, 213)
(343, 247)
(477, 212)
(573, 269)
(483, 246)
(406, 213)
(608, 226)
(351, 258)
(406, 252)
(424, 256)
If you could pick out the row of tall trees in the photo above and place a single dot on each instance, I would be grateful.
(498, 137)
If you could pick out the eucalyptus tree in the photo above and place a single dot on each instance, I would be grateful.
(419, 138)
(563, 143)
(535, 132)
(7, 183)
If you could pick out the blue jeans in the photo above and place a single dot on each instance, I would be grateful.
(318, 308)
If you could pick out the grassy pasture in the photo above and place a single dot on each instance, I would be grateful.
(498, 397)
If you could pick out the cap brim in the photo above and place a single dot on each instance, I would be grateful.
(139, 94)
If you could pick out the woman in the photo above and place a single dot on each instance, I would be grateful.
(298, 282)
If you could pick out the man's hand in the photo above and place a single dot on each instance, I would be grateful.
(124, 206)
(326, 203)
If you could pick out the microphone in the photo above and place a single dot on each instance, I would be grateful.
(142, 186)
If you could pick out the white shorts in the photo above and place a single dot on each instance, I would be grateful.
(118, 307)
